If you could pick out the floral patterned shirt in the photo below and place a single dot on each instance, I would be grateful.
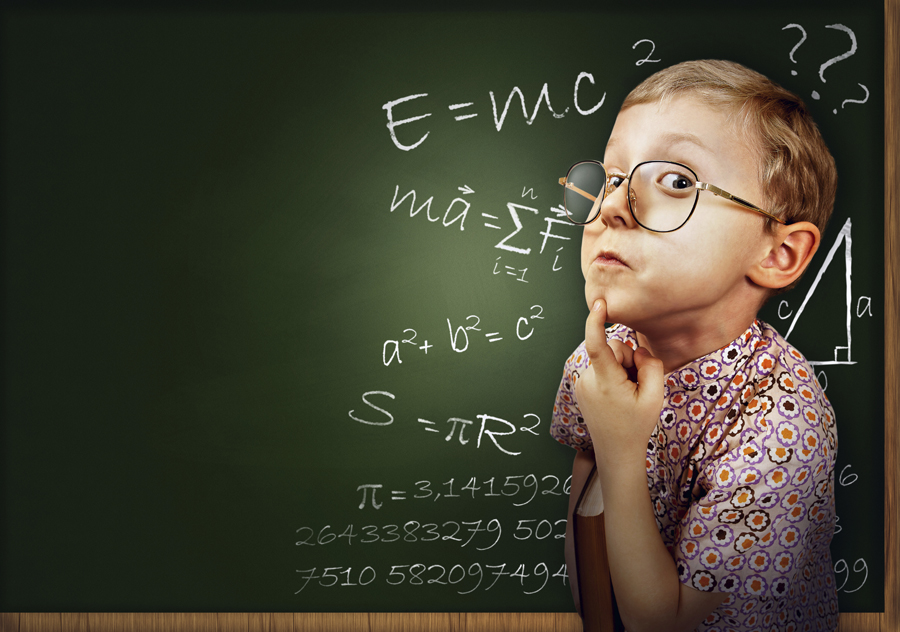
(741, 475)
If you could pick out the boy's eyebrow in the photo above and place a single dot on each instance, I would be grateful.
(675, 138)
(672, 138)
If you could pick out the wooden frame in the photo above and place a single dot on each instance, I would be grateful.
(888, 621)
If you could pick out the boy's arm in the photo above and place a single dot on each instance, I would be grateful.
(648, 592)
(621, 416)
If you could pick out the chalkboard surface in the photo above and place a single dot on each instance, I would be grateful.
(287, 297)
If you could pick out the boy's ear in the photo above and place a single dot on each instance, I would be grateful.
(788, 253)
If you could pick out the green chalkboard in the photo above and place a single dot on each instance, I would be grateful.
(260, 354)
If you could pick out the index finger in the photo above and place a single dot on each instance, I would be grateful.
(601, 354)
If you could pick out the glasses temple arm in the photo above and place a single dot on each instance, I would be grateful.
(572, 187)
(704, 186)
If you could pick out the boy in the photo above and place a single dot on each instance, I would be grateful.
(712, 195)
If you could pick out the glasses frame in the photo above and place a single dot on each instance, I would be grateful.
(608, 189)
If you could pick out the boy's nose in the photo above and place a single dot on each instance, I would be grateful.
(614, 210)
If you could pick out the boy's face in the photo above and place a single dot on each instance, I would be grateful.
(695, 276)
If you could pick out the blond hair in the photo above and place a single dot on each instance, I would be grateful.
(797, 172)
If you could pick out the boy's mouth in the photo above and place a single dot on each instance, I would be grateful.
(609, 258)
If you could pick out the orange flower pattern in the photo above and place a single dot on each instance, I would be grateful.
(741, 475)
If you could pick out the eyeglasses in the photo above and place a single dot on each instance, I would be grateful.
(662, 195)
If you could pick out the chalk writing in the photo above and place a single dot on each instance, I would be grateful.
(413, 211)
(543, 98)
(843, 236)
(589, 77)
(463, 117)
(859, 566)
(847, 479)
(556, 260)
(797, 45)
(646, 59)
(459, 337)
(390, 417)
(392, 125)
(863, 305)
(830, 62)
(517, 273)
(412, 531)
(488, 428)
(365, 493)
(457, 211)
(511, 487)
(434, 575)
(513, 208)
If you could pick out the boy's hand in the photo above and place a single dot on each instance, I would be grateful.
(620, 412)
(624, 356)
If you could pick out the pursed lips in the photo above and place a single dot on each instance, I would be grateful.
(609, 258)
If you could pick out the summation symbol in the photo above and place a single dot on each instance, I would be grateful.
(518, 224)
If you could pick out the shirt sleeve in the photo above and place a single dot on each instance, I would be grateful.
(567, 425)
(768, 512)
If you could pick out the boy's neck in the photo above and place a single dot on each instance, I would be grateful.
(679, 346)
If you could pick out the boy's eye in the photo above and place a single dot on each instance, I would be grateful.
(677, 181)
(615, 182)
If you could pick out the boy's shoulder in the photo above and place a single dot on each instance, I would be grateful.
(753, 362)
(758, 352)
(772, 358)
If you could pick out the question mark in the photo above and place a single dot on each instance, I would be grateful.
(834, 60)
(797, 45)
(845, 101)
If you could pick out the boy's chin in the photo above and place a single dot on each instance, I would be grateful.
(612, 313)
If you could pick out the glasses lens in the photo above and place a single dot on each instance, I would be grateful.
(662, 195)
(585, 186)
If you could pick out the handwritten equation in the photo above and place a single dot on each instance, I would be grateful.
(519, 229)
(510, 488)
(543, 98)
(491, 427)
(459, 336)
(555, 225)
